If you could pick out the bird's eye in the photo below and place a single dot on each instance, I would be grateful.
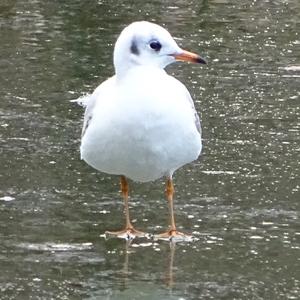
(155, 45)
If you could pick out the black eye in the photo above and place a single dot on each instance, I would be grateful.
(155, 45)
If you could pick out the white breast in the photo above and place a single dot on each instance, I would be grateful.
(142, 127)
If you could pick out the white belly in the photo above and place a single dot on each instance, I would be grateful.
(141, 139)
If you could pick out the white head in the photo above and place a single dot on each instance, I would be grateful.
(145, 43)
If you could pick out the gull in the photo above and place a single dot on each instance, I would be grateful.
(141, 123)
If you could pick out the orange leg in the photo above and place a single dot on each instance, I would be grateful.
(129, 232)
(172, 234)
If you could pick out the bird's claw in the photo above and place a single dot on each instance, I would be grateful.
(128, 234)
(174, 236)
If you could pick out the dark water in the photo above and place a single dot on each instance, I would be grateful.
(241, 199)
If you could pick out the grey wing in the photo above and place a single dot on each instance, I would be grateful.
(197, 120)
(88, 102)
(92, 99)
(88, 114)
(196, 116)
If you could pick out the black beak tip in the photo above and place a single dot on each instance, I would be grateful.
(200, 60)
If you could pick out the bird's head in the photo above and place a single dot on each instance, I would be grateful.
(144, 43)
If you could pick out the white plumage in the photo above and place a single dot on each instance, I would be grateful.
(141, 123)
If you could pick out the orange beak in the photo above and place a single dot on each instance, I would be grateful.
(189, 56)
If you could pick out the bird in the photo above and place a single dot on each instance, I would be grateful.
(141, 124)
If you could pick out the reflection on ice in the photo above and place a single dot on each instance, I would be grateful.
(292, 68)
(56, 247)
(211, 172)
(7, 198)
(129, 256)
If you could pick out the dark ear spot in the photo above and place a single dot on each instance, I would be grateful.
(133, 48)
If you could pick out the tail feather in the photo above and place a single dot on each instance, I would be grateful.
(82, 100)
